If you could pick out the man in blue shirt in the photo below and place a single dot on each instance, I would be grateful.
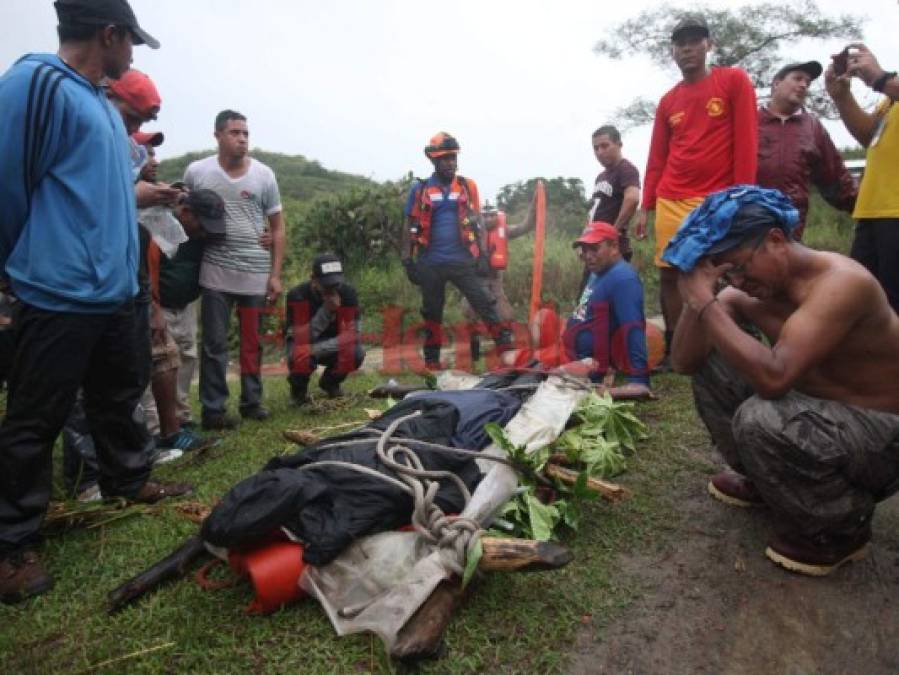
(68, 252)
(608, 328)
(450, 245)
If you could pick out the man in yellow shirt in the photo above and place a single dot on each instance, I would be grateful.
(876, 243)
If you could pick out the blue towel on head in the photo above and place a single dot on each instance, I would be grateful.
(712, 221)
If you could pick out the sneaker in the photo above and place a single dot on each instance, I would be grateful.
(331, 390)
(735, 489)
(257, 413)
(820, 556)
(165, 456)
(90, 494)
(299, 401)
(154, 491)
(299, 394)
(22, 576)
(186, 441)
(220, 422)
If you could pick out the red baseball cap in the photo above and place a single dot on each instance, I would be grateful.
(154, 138)
(595, 233)
(137, 90)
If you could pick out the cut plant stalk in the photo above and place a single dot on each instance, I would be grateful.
(611, 491)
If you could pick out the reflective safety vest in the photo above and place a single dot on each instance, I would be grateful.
(422, 212)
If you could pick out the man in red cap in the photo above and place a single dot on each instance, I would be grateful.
(136, 97)
(608, 328)
(150, 140)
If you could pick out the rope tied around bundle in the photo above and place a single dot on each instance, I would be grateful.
(454, 536)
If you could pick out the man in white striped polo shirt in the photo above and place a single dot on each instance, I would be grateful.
(237, 270)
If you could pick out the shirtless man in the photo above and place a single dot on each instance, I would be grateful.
(811, 423)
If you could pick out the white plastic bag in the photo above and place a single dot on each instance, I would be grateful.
(164, 228)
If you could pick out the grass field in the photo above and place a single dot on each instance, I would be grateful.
(509, 623)
(512, 623)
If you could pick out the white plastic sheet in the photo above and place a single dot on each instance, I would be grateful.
(164, 228)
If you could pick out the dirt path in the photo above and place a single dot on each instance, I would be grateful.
(711, 603)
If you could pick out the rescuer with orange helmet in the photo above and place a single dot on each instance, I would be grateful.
(445, 243)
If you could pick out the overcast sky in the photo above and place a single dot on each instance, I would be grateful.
(361, 86)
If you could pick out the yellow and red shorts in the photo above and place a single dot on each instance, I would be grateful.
(670, 213)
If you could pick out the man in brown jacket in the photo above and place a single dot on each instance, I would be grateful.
(795, 150)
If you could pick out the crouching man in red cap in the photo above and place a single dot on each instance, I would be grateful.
(607, 330)
(606, 334)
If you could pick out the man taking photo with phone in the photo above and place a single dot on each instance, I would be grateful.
(876, 243)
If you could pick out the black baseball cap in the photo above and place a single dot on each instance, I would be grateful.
(103, 13)
(690, 24)
(327, 268)
(812, 68)
(209, 208)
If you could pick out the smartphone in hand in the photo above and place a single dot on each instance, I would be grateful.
(841, 62)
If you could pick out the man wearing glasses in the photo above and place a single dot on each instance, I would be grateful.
(808, 420)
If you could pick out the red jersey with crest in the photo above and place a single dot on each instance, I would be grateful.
(705, 138)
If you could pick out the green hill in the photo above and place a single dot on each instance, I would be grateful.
(298, 178)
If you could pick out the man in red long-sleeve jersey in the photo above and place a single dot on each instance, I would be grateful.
(704, 139)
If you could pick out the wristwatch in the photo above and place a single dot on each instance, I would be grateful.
(881, 82)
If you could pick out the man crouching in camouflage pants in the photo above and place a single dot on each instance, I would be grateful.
(810, 423)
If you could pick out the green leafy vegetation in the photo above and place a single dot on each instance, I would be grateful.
(566, 202)
(299, 178)
(602, 431)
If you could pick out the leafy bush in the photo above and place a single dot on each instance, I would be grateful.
(298, 177)
(566, 204)
(363, 225)
(826, 228)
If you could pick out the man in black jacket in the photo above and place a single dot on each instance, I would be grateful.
(322, 328)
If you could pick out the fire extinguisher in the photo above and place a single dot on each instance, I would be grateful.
(498, 243)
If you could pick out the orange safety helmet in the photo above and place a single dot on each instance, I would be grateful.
(442, 144)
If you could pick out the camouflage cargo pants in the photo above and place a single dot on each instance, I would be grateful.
(821, 466)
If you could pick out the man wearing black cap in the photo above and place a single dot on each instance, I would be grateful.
(88, 17)
(322, 328)
(795, 150)
(69, 251)
(704, 138)
(809, 421)
(202, 215)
